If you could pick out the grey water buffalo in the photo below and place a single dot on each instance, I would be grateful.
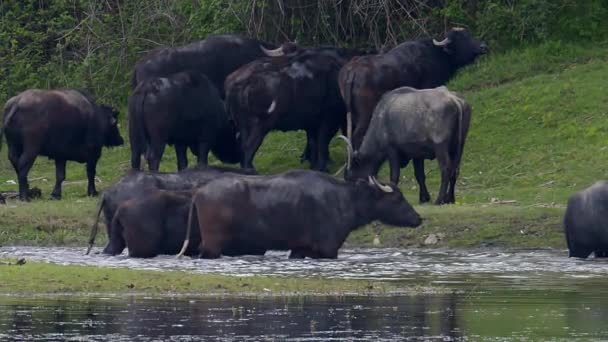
(425, 63)
(63, 125)
(135, 185)
(585, 224)
(292, 91)
(308, 212)
(216, 57)
(185, 110)
(415, 124)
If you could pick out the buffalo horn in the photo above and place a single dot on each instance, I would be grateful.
(273, 53)
(349, 151)
(441, 43)
(382, 187)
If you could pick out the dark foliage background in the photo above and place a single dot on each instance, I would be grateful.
(94, 43)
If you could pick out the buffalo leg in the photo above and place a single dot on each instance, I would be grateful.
(25, 163)
(421, 179)
(91, 171)
(59, 178)
(395, 166)
(182, 157)
(116, 240)
(13, 156)
(251, 144)
(155, 154)
(203, 153)
(297, 253)
(306, 153)
(313, 146)
(326, 133)
(445, 166)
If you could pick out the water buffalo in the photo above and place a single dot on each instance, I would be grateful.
(297, 91)
(185, 110)
(153, 223)
(135, 184)
(415, 124)
(420, 64)
(63, 125)
(216, 56)
(308, 212)
(585, 224)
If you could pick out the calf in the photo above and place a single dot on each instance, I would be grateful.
(63, 125)
(585, 224)
(185, 110)
(415, 124)
(136, 184)
(153, 223)
(307, 212)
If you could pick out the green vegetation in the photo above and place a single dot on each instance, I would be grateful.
(39, 278)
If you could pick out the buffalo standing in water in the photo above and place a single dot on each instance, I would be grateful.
(185, 110)
(586, 222)
(61, 124)
(415, 124)
(308, 212)
(136, 184)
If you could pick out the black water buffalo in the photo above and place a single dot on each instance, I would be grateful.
(585, 223)
(420, 64)
(135, 184)
(415, 124)
(297, 91)
(153, 223)
(216, 56)
(185, 110)
(308, 212)
(61, 124)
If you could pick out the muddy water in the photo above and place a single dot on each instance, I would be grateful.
(499, 295)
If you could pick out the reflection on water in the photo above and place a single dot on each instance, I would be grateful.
(498, 295)
(530, 316)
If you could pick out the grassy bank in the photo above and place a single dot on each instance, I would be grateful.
(539, 133)
(38, 278)
(67, 223)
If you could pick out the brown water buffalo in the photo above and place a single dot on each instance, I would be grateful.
(63, 125)
(185, 110)
(415, 124)
(135, 184)
(425, 63)
(308, 212)
(585, 224)
(216, 57)
(295, 91)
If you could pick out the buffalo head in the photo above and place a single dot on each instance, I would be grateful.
(389, 205)
(112, 134)
(461, 46)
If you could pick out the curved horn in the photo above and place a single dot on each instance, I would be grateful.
(382, 187)
(273, 53)
(441, 43)
(349, 151)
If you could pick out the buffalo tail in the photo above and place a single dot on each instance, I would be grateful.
(94, 227)
(9, 112)
(189, 228)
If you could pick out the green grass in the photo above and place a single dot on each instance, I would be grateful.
(539, 133)
(38, 278)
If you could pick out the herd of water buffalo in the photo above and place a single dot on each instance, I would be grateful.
(224, 94)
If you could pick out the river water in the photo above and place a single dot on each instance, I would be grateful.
(498, 295)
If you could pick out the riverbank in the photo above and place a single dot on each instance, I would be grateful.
(25, 277)
(67, 223)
